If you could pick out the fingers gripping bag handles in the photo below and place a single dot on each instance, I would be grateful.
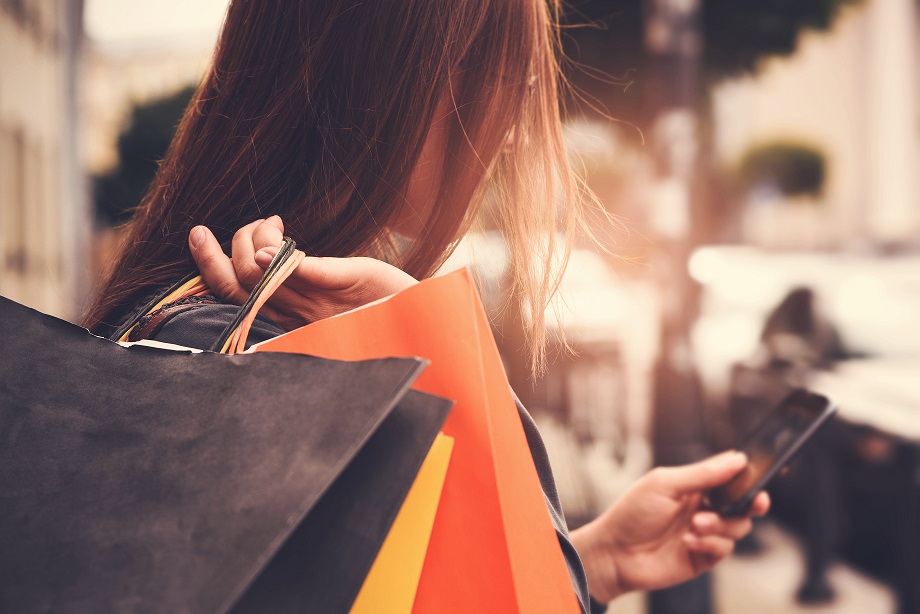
(493, 547)
(233, 338)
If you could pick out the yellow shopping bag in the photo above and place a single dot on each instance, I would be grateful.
(393, 580)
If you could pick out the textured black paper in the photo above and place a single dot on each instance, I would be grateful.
(322, 566)
(146, 480)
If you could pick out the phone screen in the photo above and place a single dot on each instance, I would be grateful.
(771, 446)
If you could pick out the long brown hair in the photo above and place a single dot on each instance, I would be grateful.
(317, 110)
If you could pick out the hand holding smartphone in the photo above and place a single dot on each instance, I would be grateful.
(770, 448)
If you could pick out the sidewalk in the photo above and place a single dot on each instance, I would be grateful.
(766, 584)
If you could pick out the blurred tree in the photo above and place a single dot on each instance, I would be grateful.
(739, 33)
(793, 169)
(605, 44)
(612, 73)
(141, 146)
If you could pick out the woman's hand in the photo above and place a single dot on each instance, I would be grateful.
(656, 535)
(318, 288)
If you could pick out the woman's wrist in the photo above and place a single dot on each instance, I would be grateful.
(599, 560)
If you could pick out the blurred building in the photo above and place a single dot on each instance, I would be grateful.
(44, 219)
(851, 93)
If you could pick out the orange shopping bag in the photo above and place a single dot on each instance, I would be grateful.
(493, 547)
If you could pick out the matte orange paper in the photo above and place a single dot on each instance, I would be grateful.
(392, 582)
(493, 547)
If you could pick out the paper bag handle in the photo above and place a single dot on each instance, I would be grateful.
(233, 338)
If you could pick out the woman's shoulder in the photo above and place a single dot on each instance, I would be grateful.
(198, 327)
(196, 322)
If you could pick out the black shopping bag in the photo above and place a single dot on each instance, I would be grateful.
(146, 480)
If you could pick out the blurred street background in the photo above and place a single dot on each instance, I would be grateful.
(760, 159)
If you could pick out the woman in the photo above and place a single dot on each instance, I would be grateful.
(374, 129)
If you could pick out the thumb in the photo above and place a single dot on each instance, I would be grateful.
(709, 473)
(215, 267)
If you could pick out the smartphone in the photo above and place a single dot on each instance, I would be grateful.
(770, 447)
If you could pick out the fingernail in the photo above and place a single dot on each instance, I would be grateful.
(263, 258)
(702, 522)
(197, 236)
(690, 539)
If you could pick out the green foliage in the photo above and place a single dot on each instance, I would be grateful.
(794, 169)
(739, 33)
(606, 37)
(141, 146)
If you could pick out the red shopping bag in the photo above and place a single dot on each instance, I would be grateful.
(493, 547)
